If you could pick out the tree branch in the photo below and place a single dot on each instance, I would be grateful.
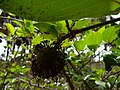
(77, 31)
(68, 80)
(73, 23)
(75, 69)
(112, 86)
(110, 74)
(35, 85)
(67, 25)
(11, 18)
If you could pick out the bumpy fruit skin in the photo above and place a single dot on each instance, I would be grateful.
(47, 62)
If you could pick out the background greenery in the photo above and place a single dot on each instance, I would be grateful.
(92, 61)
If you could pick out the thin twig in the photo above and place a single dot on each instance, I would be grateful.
(3, 17)
(75, 69)
(73, 23)
(68, 80)
(7, 52)
(79, 73)
(110, 74)
(86, 62)
(116, 1)
(67, 25)
(114, 82)
(35, 85)
(87, 85)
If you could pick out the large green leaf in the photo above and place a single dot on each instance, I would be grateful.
(54, 10)
(110, 33)
(93, 40)
(49, 28)
(79, 45)
(82, 23)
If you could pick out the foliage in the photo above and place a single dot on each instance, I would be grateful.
(89, 50)
(55, 10)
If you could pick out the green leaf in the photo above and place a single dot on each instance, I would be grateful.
(17, 22)
(16, 69)
(62, 26)
(47, 27)
(0, 12)
(25, 70)
(109, 61)
(117, 41)
(93, 40)
(37, 40)
(66, 43)
(98, 82)
(48, 36)
(42, 37)
(118, 85)
(110, 33)
(82, 23)
(10, 28)
(22, 32)
(28, 26)
(55, 10)
(79, 45)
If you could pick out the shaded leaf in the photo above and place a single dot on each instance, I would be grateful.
(48, 28)
(55, 10)
(109, 61)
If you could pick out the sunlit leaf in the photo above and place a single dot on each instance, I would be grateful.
(29, 26)
(79, 45)
(98, 82)
(82, 23)
(17, 22)
(10, 28)
(110, 33)
(93, 40)
(66, 43)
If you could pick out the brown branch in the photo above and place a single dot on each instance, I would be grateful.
(77, 31)
(67, 25)
(110, 74)
(116, 1)
(112, 86)
(35, 85)
(68, 79)
(75, 69)
(87, 85)
(73, 23)
(79, 73)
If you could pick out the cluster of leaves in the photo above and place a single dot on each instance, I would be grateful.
(92, 61)
(82, 71)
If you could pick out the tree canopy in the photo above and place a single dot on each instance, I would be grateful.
(60, 45)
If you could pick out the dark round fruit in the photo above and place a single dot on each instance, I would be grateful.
(48, 62)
